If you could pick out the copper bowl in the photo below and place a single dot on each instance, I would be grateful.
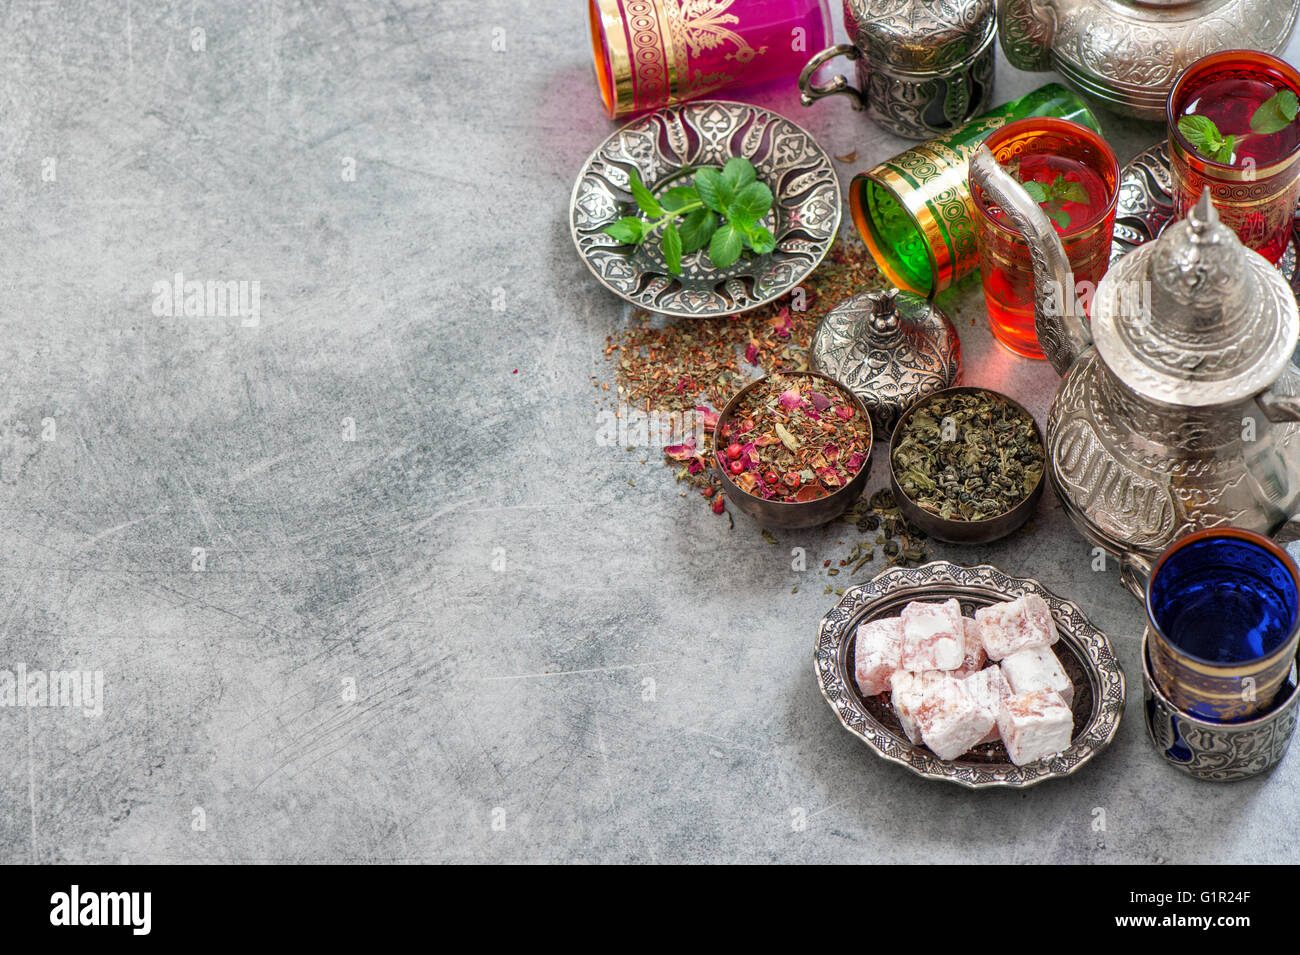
(792, 515)
(948, 529)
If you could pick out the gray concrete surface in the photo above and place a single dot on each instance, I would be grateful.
(457, 632)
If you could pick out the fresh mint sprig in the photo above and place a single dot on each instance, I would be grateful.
(722, 209)
(1053, 197)
(1271, 116)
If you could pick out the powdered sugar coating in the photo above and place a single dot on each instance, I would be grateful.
(949, 719)
(877, 648)
(933, 636)
(1035, 725)
(1015, 625)
(1037, 668)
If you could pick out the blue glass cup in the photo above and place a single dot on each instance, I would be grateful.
(1223, 610)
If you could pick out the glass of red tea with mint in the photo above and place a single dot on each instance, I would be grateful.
(1234, 126)
(1074, 176)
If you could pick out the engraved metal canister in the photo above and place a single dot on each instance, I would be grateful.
(889, 348)
(924, 67)
(915, 212)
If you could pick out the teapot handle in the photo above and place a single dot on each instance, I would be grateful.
(1278, 407)
(810, 92)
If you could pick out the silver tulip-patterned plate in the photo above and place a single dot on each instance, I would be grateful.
(1084, 651)
(1146, 205)
(665, 147)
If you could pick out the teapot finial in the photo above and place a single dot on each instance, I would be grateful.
(1058, 316)
(1203, 217)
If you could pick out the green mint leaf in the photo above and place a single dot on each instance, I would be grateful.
(1060, 217)
(1037, 191)
(628, 230)
(1201, 132)
(642, 196)
(1072, 192)
(1276, 113)
(750, 204)
(725, 246)
(761, 240)
(696, 230)
(713, 189)
(1224, 154)
(1288, 104)
(672, 246)
(678, 196)
(738, 173)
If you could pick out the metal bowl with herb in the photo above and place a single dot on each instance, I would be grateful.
(793, 449)
(967, 465)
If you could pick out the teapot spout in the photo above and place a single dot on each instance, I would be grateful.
(1058, 316)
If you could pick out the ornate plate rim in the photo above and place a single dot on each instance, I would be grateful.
(682, 107)
(1109, 684)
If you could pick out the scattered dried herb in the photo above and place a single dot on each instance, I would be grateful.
(968, 456)
(882, 514)
(689, 367)
(794, 438)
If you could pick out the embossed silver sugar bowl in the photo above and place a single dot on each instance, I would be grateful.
(1179, 404)
(889, 348)
(924, 67)
(1128, 53)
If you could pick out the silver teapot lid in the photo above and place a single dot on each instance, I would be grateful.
(1195, 318)
(923, 36)
(890, 348)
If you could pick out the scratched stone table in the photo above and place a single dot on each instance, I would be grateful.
(359, 578)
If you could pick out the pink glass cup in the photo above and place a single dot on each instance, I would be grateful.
(653, 53)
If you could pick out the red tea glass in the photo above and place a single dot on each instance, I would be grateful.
(653, 53)
(1257, 190)
(1080, 175)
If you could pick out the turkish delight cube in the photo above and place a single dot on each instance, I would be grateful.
(933, 636)
(972, 646)
(988, 688)
(907, 693)
(876, 651)
(1034, 725)
(950, 720)
(1015, 625)
(1037, 668)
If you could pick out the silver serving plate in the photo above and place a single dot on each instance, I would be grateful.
(1084, 652)
(1146, 205)
(664, 147)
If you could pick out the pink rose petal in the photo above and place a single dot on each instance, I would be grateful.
(681, 452)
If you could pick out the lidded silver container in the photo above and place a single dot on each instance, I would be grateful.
(889, 348)
(924, 67)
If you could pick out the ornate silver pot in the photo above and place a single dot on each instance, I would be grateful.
(1178, 407)
(1128, 53)
(924, 67)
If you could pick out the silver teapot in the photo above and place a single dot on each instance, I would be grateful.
(1179, 402)
(1128, 53)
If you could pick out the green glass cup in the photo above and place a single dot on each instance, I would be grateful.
(915, 211)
